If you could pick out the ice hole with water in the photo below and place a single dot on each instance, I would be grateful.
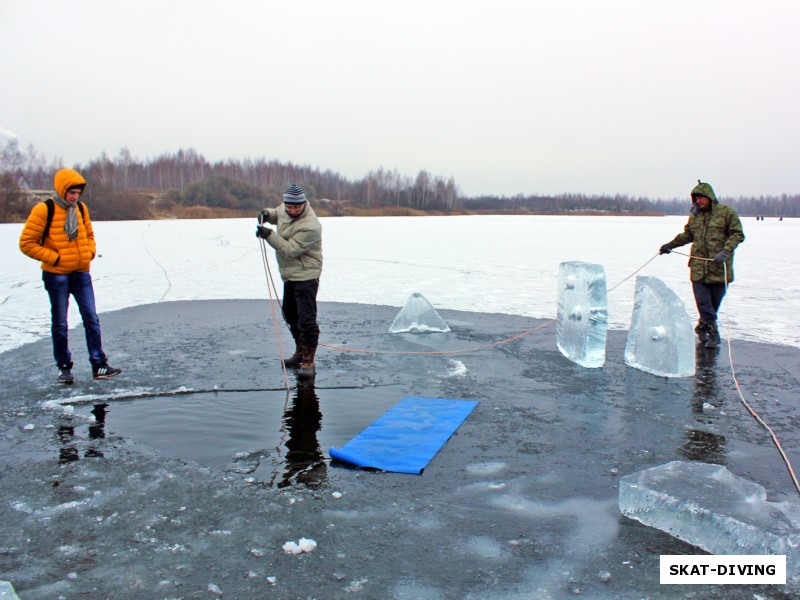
(582, 324)
(418, 316)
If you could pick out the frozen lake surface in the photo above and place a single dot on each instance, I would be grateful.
(496, 264)
(186, 475)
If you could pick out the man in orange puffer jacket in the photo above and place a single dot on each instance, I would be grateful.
(61, 237)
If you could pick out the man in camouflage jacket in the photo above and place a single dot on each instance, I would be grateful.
(714, 231)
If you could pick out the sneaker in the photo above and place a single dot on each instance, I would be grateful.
(104, 371)
(66, 376)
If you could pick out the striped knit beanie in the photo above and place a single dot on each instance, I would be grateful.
(294, 194)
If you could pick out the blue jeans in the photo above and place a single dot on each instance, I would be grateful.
(59, 287)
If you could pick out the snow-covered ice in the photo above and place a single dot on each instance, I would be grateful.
(370, 261)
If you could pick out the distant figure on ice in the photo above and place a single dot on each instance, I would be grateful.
(297, 241)
(714, 230)
(59, 234)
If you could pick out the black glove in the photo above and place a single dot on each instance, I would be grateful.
(722, 257)
(262, 231)
(262, 216)
(665, 249)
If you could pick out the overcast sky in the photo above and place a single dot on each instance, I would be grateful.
(597, 96)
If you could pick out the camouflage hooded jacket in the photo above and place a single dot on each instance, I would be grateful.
(710, 231)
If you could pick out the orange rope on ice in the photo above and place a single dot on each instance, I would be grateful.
(443, 352)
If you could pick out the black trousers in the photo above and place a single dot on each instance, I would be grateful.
(708, 297)
(300, 310)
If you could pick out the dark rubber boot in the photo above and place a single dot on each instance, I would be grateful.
(296, 359)
(702, 332)
(713, 336)
(308, 369)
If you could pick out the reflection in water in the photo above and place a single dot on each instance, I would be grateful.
(66, 436)
(305, 463)
(67, 452)
(704, 446)
(97, 431)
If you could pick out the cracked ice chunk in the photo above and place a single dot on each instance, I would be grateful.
(7, 591)
(661, 338)
(710, 507)
(582, 313)
(418, 316)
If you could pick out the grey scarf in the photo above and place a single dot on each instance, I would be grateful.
(71, 222)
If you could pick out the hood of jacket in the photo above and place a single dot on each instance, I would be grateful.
(65, 179)
(704, 189)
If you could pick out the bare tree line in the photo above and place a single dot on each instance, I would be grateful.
(173, 175)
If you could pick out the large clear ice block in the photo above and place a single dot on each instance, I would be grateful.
(418, 316)
(660, 338)
(582, 324)
(708, 506)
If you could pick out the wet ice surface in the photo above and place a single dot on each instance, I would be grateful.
(661, 339)
(520, 503)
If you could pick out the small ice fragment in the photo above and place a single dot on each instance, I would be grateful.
(291, 548)
(271, 579)
(337, 495)
(29, 427)
(215, 589)
(306, 544)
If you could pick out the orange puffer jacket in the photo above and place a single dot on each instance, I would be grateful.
(58, 254)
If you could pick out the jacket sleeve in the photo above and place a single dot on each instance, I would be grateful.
(735, 232)
(300, 243)
(87, 223)
(30, 241)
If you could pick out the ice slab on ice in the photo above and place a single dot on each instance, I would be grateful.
(582, 323)
(708, 506)
(418, 316)
(7, 591)
(660, 338)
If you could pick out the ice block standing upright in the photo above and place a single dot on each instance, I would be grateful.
(582, 324)
(660, 338)
(418, 316)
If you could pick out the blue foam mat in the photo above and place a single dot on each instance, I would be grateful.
(407, 436)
